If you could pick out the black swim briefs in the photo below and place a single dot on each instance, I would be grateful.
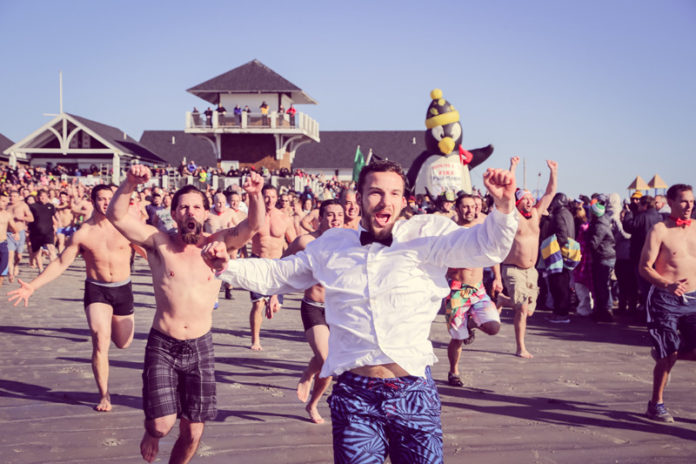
(312, 314)
(118, 295)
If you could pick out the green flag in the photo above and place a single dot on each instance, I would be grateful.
(358, 163)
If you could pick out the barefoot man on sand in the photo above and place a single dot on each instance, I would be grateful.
(268, 242)
(668, 262)
(518, 271)
(312, 311)
(179, 371)
(108, 296)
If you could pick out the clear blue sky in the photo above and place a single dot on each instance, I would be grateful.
(606, 88)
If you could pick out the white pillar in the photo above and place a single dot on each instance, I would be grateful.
(116, 169)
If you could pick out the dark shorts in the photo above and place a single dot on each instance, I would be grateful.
(671, 321)
(119, 297)
(179, 377)
(373, 417)
(38, 240)
(312, 314)
(4, 258)
(254, 297)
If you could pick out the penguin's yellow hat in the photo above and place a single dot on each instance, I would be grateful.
(440, 111)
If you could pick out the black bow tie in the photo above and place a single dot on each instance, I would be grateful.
(367, 237)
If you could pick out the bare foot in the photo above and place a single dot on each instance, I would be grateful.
(524, 354)
(304, 386)
(256, 347)
(149, 447)
(314, 414)
(104, 404)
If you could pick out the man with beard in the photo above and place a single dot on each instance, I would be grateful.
(269, 242)
(383, 286)
(108, 298)
(331, 216)
(468, 306)
(668, 263)
(179, 372)
(520, 277)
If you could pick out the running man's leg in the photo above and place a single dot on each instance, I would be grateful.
(318, 337)
(186, 444)
(255, 319)
(99, 319)
(520, 324)
(155, 429)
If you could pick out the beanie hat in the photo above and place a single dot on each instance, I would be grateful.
(637, 194)
(520, 193)
(597, 209)
(440, 111)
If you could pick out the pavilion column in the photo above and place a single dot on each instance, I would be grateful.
(116, 169)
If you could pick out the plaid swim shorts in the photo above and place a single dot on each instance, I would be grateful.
(179, 377)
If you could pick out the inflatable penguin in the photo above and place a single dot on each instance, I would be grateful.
(445, 164)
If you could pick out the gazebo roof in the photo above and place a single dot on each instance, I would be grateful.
(252, 77)
(657, 183)
(638, 184)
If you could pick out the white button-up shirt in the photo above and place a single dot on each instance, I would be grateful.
(381, 301)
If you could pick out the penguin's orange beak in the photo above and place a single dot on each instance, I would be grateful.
(446, 145)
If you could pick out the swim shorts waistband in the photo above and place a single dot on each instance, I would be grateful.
(108, 284)
(312, 302)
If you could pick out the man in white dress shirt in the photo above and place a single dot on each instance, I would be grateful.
(384, 284)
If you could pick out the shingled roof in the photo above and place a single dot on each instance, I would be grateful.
(337, 148)
(118, 138)
(252, 77)
(5, 143)
(173, 146)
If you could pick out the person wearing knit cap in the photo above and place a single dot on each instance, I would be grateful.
(517, 270)
(602, 249)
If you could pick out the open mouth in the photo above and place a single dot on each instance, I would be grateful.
(191, 225)
(382, 218)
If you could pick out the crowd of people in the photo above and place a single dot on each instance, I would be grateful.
(371, 259)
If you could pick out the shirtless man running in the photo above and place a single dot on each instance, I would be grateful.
(518, 271)
(312, 311)
(468, 306)
(7, 226)
(65, 220)
(108, 298)
(179, 372)
(16, 242)
(220, 218)
(668, 263)
(268, 242)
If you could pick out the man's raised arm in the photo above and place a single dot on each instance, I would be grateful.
(545, 200)
(131, 228)
(236, 237)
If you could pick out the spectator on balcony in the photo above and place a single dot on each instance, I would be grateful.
(196, 116)
(247, 110)
(238, 114)
(208, 117)
(264, 113)
(292, 111)
(281, 113)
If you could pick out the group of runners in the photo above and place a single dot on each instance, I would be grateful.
(372, 283)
